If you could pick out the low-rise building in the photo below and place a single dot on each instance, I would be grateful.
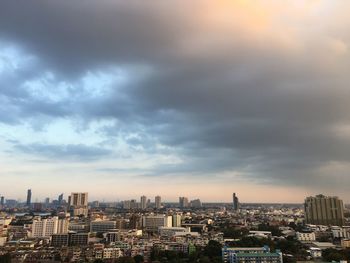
(250, 255)
(306, 236)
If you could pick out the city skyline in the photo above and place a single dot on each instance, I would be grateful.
(138, 199)
(175, 98)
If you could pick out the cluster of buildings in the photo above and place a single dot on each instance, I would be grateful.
(79, 230)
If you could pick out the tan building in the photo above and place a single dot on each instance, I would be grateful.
(345, 243)
(78, 203)
(78, 199)
(158, 202)
(324, 210)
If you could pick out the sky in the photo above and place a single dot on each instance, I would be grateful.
(175, 98)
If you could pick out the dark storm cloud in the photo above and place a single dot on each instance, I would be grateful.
(222, 100)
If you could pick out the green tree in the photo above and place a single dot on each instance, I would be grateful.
(125, 260)
(5, 258)
(213, 249)
(138, 259)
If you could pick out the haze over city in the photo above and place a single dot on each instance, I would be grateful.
(175, 98)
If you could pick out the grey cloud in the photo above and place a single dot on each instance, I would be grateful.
(234, 105)
(64, 152)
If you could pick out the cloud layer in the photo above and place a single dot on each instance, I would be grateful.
(193, 90)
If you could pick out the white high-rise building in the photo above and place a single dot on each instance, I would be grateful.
(158, 202)
(44, 227)
(143, 202)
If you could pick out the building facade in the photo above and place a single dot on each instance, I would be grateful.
(324, 210)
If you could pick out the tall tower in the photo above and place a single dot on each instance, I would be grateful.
(29, 197)
(143, 202)
(235, 202)
(158, 202)
(324, 210)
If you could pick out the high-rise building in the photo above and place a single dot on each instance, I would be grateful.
(2, 201)
(44, 227)
(79, 199)
(78, 203)
(158, 202)
(143, 202)
(126, 204)
(62, 226)
(60, 199)
(183, 202)
(324, 210)
(235, 202)
(176, 220)
(29, 197)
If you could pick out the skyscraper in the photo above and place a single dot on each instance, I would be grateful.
(143, 202)
(2, 200)
(158, 202)
(324, 210)
(235, 202)
(29, 197)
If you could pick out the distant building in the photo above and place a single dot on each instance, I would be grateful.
(250, 255)
(2, 201)
(37, 207)
(158, 202)
(306, 236)
(196, 203)
(29, 197)
(235, 202)
(143, 202)
(70, 239)
(112, 236)
(129, 204)
(153, 222)
(78, 239)
(78, 203)
(11, 202)
(59, 240)
(345, 243)
(44, 227)
(102, 226)
(183, 202)
(62, 226)
(324, 210)
(79, 199)
(60, 199)
(171, 231)
(176, 220)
